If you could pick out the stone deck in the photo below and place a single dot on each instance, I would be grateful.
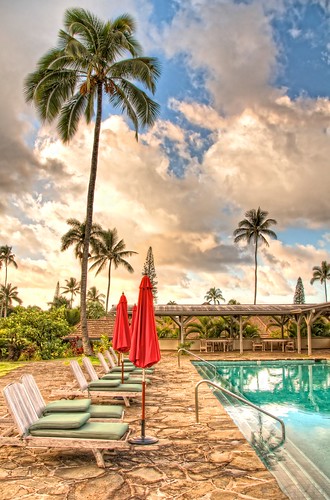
(210, 460)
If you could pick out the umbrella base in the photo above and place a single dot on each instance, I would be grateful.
(144, 440)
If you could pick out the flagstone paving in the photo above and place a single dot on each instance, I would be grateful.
(206, 461)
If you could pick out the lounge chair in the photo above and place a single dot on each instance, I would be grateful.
(105, 388)
(97, 412)
(60, 431)
(94, 376)
(128, 367)
(129, 377)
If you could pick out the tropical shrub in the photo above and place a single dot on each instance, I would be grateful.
(41, 331)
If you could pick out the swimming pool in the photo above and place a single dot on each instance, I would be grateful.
(296, 391)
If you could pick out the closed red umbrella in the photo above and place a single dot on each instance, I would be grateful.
(134, 309)
(144, 351)
(121, 340)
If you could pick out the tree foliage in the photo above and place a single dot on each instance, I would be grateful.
(214, 295)
(41, 331)
(299, 294)
(253, 229)
(110, 250)
(322, 274)
(150, 271)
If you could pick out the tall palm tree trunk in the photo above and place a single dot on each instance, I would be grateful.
(89, 220)
(325, 290)
(255, 271)
(108, 289)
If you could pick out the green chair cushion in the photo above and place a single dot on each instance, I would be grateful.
(118, 388)
(114, 376)
(106, 411)
(127, 369)
(60, 421)
(68, 405)
(109, 384)
(91, 430)
(136, 380)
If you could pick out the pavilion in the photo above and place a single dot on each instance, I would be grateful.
(182, 314)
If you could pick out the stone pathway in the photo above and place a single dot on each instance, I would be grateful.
(207, 461)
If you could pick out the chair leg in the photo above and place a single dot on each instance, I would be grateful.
(98, 454)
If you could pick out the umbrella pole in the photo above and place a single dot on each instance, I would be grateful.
(143, 439)
(122, 369)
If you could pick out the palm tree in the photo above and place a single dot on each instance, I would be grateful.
(253, 229)
(215, 295)
(8, 294)
(322, 274)
(73, 287)
(7, 257)
(93, 295)
(205, 327)
(76, 236)
(74, 77)
(111, 250)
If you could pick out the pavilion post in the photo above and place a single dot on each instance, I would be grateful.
(241, 335)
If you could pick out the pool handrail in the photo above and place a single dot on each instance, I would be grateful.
(198, 357)
(243, 400)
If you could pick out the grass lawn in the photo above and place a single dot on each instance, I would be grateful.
(8, 366)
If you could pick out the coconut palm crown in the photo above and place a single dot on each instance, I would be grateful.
(92, 60)
(253, 229)
(111, 250)
(322, 274)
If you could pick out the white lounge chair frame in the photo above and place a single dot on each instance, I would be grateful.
(24, 415)
(38, 401)
(84, 387)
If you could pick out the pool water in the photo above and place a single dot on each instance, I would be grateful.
(298, 392)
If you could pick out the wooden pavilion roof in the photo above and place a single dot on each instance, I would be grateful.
(236, 309)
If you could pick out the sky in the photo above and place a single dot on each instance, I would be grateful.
(244, 122)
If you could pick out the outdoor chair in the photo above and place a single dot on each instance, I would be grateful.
(130, 377)
(202, 345)
(97, 412)
(94, 376)
(60, 431)
(257, 344)
(105, 388)
(128, 367)
(290, 346)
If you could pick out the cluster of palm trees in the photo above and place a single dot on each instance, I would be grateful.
(107, 252)
(8, 292)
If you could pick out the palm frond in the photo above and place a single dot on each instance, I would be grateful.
(145, 70)
(70, 116)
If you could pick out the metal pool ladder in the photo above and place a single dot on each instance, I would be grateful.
(239, 398)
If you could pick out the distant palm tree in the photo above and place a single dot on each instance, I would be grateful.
(322, 274)
(111, 250)
(253, 229)
(7, 258)
(215, 295)
(93, 59)
(8, 294)
(76, 236)
(93, 295)
(73, 287)
(205, 327)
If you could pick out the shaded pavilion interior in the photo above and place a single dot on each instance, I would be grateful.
(182, 314)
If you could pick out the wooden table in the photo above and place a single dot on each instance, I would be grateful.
(271, 342)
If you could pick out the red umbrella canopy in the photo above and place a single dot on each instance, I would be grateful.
(144, 350)
(121, 340)
(133, 319)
